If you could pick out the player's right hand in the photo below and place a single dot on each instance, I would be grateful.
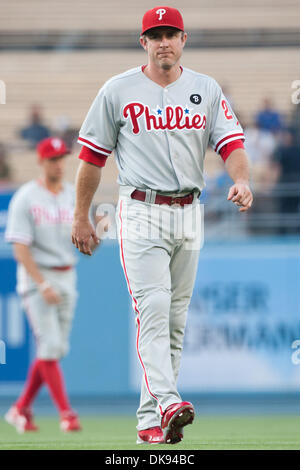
(83, 234)
(50, 296)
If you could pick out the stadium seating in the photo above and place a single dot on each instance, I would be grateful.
(68, 15)
(65, 83)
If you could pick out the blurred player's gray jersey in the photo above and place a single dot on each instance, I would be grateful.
(42, 220)
(160, 135)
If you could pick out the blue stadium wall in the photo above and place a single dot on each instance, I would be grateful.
(243, 329)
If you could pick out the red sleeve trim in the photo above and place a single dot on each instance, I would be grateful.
(93, 157)
(226, 150)
(230, 137)
(94, 146)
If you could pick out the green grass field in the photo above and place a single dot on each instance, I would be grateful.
(118, 433)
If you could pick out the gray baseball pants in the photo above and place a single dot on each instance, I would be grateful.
(159, 251)
(51, 324)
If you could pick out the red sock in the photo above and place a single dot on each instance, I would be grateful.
(33, 383)
(53, 377)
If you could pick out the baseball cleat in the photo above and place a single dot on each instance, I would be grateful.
(150, 436)
(21, 419)
(69, 422)
(174, 419)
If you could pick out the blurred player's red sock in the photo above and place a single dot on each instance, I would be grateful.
(33, 383)
(53, 377)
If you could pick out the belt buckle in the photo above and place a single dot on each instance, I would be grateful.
(174, 201)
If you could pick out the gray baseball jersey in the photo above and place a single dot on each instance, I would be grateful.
(42, 220)
(160, 135)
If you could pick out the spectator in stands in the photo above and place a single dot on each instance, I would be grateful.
(5, 172)
(260, 145)
(287, 157)
(268, 118)
(295, 123)
(36, 130)
(287, 160)
(62, 128)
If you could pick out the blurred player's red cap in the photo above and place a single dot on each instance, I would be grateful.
(52, 147)
(162, 16)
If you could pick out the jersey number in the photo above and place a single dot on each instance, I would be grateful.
(226, 110)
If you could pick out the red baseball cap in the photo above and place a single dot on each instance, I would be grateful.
(52, 147)
(162, 16)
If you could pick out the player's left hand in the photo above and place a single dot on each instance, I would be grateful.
(241, 195)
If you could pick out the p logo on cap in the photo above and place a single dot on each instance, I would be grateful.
(57, 143)
(52, 147)
(160, 12)
(162, 16)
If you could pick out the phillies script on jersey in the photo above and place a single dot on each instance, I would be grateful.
(54, 215)
(159, 135)
(170, 117)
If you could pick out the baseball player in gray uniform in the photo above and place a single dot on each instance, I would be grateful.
(159, 120)
(39, 226)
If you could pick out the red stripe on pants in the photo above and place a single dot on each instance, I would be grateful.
(135, 308)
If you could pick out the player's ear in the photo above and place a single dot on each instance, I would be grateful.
(143, 41)
(184, 38)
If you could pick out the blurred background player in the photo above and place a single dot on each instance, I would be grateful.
(39, 226)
